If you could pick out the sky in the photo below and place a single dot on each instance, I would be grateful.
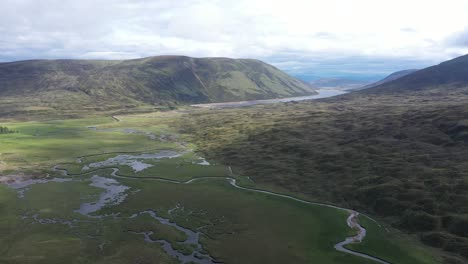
(359, 39)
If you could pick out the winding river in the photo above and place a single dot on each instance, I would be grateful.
(193, 238)
(352, 220)
(115, 193)
(353, 223)
(322, 93)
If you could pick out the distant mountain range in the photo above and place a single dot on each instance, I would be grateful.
(338, 83)
(62, 85)
(351, 84)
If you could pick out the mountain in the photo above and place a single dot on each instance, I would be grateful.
(445, 78)
(341, 83)
(391, 77)
(68, 85)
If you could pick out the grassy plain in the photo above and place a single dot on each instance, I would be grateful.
(238, 226)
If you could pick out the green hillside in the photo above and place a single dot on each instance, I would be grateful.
(61, 86)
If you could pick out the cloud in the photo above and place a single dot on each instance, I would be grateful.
(408, 29)
(459, 39)
(302, 31)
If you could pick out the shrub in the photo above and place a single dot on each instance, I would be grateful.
(418, 221)
(457, 225)
(435, 239)
(6, 130)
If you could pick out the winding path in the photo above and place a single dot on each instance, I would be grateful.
(352, 220)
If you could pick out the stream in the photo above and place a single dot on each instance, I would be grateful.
(21, 184)
(115, 193)
(193, 238)
(135, 161)
(352, 220)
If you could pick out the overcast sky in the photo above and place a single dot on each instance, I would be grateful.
(354, 38)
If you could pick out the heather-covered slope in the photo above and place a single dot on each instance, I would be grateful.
(398, 152)
(448, 77)
(389, 78)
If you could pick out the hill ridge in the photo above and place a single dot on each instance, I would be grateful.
(69, 84)
(451, 75)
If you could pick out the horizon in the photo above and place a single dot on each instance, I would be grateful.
(304, 77)
(308, 40)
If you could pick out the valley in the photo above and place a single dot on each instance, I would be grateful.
(398, 158)
(138, 189)
(372, 176)
(233, 132)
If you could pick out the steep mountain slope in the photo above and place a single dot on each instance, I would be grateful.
(447, 77)
(164, 80)
(389, 78)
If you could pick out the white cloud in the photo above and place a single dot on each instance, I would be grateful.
(121, 29)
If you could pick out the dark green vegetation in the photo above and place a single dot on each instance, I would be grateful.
(238, 226)
(6, 130)
(74, 87)
(448, 78)
(398, 151)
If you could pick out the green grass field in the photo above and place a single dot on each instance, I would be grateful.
(238, 226)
